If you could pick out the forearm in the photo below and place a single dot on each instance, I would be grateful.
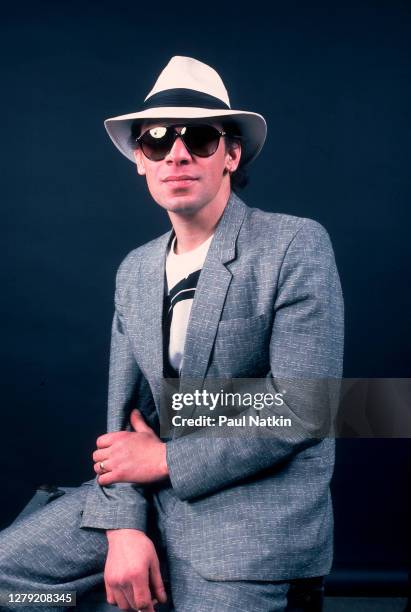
(220, 462)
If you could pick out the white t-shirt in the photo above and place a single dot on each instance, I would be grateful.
(182, 273)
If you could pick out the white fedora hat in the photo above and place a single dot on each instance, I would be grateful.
(189, 89)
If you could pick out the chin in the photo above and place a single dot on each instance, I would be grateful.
(181, 204)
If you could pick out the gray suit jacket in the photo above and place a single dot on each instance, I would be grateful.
(268, 304)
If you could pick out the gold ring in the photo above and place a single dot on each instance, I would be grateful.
(102, 465)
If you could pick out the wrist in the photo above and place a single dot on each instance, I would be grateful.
(112, 534)
(163, 467)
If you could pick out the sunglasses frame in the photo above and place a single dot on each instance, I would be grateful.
(179, 135)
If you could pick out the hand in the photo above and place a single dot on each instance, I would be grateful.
(132, 571)
(131, 456)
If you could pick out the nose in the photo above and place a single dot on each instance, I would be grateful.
(178, 152)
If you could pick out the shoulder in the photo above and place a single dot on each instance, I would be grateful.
(281, 231)
(132, 261)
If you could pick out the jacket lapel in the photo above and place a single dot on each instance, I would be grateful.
(211, 292)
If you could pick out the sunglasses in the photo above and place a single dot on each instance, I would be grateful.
(201, 140)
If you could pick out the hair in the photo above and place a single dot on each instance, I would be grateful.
(239, 178)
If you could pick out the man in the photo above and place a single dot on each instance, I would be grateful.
(230, 292)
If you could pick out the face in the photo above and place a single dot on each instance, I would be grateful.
(182, 182)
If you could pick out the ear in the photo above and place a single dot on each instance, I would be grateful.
(138, 156)
(233, 156)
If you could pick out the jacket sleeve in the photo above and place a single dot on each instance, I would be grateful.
(119, 505)
(306, 345)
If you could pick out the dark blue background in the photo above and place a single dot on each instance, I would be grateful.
(332, 80)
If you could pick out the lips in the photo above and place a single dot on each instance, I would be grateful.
(179, 178)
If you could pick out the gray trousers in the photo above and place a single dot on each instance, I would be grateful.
(47, 550)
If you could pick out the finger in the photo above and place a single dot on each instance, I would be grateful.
(108, 478)
(121, 600)
(156, 582)
(104, 441)
(100, 455)
(138, 423)
(102, 467)
(142, 598)
(147, 608)
(128, 593)
(109, 595)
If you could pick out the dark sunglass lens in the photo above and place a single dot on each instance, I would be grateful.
(157, 142)
(202, 140)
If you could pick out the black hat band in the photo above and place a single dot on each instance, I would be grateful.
(184, 97)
